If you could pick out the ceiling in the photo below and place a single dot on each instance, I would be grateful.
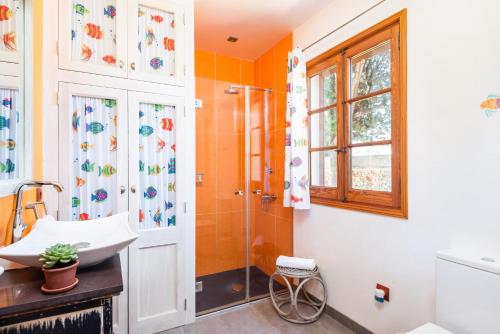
(258, 24)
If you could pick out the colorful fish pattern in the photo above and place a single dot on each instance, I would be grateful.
(156, 44)
(5, 13)
(94, 155)
(150, 192)
(93, 32)
(156, 165)
(9, 144)
(9, 133)
(146, 130)
(9, 41)
(491, 105)
(7, 167)
(110, 11)
(75, 202)
(107, 170)
(95, 127)
(99, 196)
(156, 63)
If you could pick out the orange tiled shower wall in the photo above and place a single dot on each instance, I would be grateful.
(220, 223)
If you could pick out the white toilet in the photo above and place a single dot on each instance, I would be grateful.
(467, 295)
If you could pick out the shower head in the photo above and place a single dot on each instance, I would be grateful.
(232, 90)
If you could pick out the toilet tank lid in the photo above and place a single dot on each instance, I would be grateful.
(479, 261)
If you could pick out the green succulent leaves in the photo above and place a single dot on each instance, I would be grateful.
(59, 253)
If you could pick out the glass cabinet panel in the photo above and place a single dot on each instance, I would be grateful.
(92, 36)
(94, 157)
(156, 45)
(93, 32)
(156, 165)
(10, 134)
(11, 30)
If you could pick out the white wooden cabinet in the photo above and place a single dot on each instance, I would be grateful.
(136, 39)
(119, 151)
(157, 283)
(93, 159)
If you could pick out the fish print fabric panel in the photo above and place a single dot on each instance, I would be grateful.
(156, 41)
(9, 134)
(93, 179)
(296, 192)
(157, 168)
(93, 32)
(10, 11)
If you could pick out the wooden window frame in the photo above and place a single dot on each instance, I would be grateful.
(394, 203)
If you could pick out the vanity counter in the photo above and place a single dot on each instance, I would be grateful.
(20, 295)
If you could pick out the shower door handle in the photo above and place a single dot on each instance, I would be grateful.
(239, 192)
(123, 190)
(132, 189)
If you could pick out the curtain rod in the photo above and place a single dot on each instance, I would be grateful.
(343, 25)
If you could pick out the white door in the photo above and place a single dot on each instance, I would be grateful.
(157, 212)
(156, 41)
(93, 161)
(93, 36)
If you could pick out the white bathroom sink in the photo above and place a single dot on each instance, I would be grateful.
(97, 239)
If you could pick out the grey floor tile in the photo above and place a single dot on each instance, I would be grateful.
(258, 318)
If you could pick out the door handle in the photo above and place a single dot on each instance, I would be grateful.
(123, 190)
(132, 189)
(121, 64)
(239, 192)
(132, 66)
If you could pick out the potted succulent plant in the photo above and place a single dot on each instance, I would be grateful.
(59, 267)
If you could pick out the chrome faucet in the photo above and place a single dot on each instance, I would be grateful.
(18, 225)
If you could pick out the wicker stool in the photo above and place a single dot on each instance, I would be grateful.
(297, 296)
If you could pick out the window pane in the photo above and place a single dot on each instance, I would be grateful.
(324, 169)
(371, 119)
(371, 70)
(324, 129)
(371, 168)
(323, 88)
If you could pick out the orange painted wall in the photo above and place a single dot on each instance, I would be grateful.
(6, 203)
(220, 223)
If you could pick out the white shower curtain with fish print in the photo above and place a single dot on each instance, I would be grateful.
(9, 134)
(94, 158)
(296, 192)
(156, 166)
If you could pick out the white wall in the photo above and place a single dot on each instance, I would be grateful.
(453, 155)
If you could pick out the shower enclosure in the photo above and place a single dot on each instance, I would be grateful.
(237, 231)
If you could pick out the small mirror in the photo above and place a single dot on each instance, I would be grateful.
(16, 58)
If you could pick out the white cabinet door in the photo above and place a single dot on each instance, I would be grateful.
(93, 36)
(93, 161)
(156, 41)
(11, 31)
(157, 281)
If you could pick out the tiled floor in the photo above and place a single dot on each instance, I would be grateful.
(258, 318)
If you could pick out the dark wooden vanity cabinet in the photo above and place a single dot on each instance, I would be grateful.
(87, 309)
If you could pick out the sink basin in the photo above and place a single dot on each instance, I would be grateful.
(96, 239)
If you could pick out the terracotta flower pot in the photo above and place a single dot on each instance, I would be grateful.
(60, 279)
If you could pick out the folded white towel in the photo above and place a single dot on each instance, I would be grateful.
(295, 262)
